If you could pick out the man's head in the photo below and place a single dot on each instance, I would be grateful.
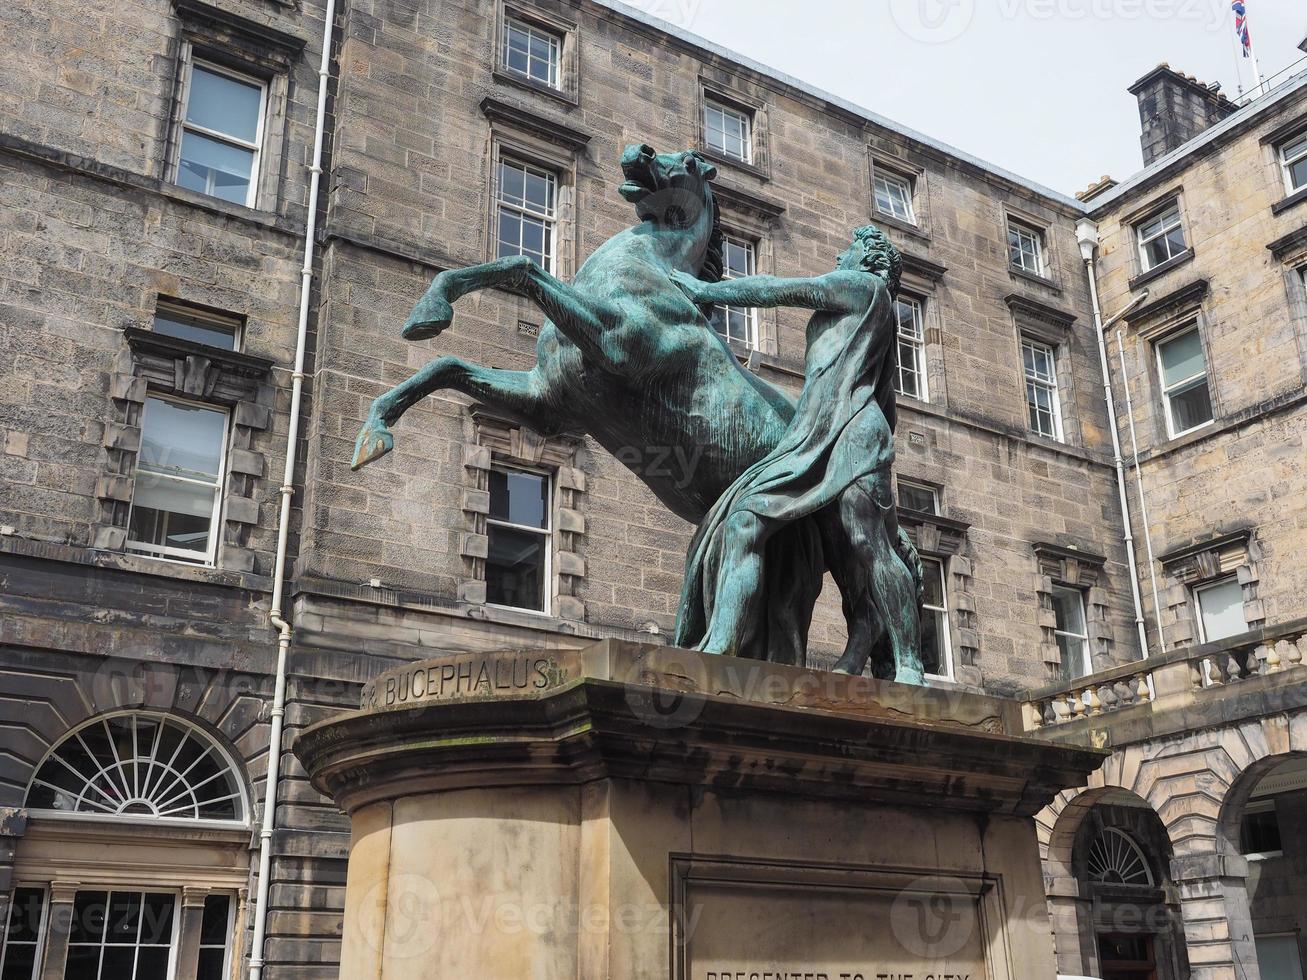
(872, 252)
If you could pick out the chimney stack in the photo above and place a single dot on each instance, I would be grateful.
(1174, 108)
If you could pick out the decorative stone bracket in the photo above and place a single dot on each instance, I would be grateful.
(500, 439)
(942, 538)
(1078, 570)
(1237, 553)
(154, 363)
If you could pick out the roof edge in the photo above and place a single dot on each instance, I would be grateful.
(694, 40)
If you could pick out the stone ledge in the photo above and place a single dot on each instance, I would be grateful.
(624, 710)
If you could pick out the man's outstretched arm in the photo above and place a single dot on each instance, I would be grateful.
(835, 291)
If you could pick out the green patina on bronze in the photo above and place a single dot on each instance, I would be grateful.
(629, 358)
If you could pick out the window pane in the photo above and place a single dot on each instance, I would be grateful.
(25, 915)
(1259, 831)
(151, 963)
(933, 582)
(1074, 661)
(1298, 174)
(934, 653)
(156, 917)
(210, 965)
(20, 961)
(88, 917)
(224, 105)
(1182, 357)
(920, 499)
(213, 927)
(82, 962)
(519, 498)
(1278, 957)
(124, 918)
(512, 183)
(1221, 608)
(215, 168)
(1069, 605)
(1191, 406)
(515, 568)
(182, 440)
(174, 323)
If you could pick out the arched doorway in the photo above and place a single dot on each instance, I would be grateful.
(1264, 821)
(135, 858)
(1118, 910)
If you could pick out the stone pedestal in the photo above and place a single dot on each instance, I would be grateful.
(631, 811)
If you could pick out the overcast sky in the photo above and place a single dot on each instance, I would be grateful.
(1035, 86)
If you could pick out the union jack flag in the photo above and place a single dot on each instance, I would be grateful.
(1241, 27)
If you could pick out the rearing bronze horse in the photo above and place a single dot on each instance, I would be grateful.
(626, 357)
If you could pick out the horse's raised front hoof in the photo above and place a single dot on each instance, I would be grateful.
(374, 441)
(429, 318)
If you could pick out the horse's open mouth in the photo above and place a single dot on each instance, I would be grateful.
(635, 191)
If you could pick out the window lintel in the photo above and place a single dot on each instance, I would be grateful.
(1031, 311)
(524, 120)
(204, 22)
(1165, 313)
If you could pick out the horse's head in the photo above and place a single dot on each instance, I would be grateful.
(671, 191)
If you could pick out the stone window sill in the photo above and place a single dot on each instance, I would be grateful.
(505, 77)
(742, 166)
(1157, 271)
(1292, 201)
(898, 224)
(1019, 273)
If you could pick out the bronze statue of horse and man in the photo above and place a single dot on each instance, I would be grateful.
(782, 492)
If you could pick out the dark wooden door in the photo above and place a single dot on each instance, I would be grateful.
(1126, 958)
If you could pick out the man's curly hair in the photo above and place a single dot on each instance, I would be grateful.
(880, 256)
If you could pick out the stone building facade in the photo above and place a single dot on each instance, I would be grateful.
(154, 175)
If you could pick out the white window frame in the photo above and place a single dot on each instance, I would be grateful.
(1261, 806)
(251, 195)
(148, 820)
(41, 927)
(1033, 236)
(182, 555)
(555, 41)
(1298, 143)
(906, 184)
(946, 644)
(547, 533)
(926, 487)
(711, 104)
(917, 341)
(1184, 383)
(110, 888)
(230, 932)
(1049, 384)
(1165, 227)
(1197, 592)
(549, 216)
(174, 308)
(1087, 662)
(751, 315)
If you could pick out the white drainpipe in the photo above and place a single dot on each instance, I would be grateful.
(1087, 235)
(287, 491)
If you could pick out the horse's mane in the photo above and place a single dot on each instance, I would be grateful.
(714, 261)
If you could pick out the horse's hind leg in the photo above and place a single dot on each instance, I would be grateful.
(518, 394)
